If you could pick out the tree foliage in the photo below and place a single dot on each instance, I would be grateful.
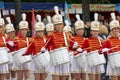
(71, 1)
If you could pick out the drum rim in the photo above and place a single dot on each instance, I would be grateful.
(92, 52)
(19, 50)
(3, 47)
(83, 53)
(58, 49)
(113, 53)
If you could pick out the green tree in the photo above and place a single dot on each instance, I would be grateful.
(86, 10)
(17, 11)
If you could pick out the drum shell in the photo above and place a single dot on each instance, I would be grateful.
(19, 59)
(41, 60)
(11, 57)
(114, 59)
(95, 59)
(81, 59)
(4, 57)
(60, 56)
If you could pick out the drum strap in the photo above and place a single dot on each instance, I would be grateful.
(65, 39)
(27, 41)
(44, 40)
(4, 40)
(100, 42)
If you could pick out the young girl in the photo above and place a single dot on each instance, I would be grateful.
(79, 72)
(35, 48)
(55, 41)
(4, 67)
(23, 69)
(12, 45)
(94, 43)
(112, 42)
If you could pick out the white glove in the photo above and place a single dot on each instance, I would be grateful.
(75, 45)
(105, 50)
(10, 43)
(43, 49)
(79, 50)
(8, 49)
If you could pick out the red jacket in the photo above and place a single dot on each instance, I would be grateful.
(56, 40)
(92, 44)
(15, 41)
(35, 46)
(113, 44)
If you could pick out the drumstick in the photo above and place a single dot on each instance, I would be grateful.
(47, 42)
(87, 48)
(113, 47)
(73, 41)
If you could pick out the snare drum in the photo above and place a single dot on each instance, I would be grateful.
(114, 59)
(60, 56)
(41, 60)
(4, 59)
(94, 58)
(11, 57)
(19, 59)
(71, 56)
(81, 59)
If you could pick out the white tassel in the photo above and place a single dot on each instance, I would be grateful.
(49, 19)
(23, 16)
(38, 17)
(78, 17)
(113, 16)
(67, 23)
(8, 20)
(96, 16)
(0, 14)
(56, 9)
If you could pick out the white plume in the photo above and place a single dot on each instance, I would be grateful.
(78, 17)
(96, 16)
(49, 19)
(113, 16)
(23, 16)
(38, 17)
(8, 20)
(67, 23)
(56, 9)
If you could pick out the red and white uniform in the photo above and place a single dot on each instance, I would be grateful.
(55, 41)
(111, 43)
(23, 42)
(75, 68)
(35, 48)
(3, 68)
(12, 49)
(93, 44)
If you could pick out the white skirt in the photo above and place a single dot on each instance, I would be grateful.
(4, 69)
(111, 71)
(25, 66)
(96, 69)
(10, 66)
(75, 68)
(35, 69)
(63, 69)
